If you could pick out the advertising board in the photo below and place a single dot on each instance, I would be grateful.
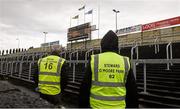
(162, 23)
(79, 32)
(129, 29)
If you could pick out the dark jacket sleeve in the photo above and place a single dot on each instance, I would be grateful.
(85, 88)
(63, 76)
(36, 76)
(131, 91)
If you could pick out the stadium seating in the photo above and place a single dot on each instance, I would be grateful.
(162, 84)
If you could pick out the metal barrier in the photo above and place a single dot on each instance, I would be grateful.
(71, 56)
(18, 66)
(151, 61)
(74, 62)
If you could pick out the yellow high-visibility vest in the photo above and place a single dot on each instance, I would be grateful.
(109, 74)
(49, 75)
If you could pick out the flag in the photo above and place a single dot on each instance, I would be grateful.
(76, 17)
(81, 8)
(89, 12)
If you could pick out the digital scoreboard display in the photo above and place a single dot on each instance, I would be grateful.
(79, 32)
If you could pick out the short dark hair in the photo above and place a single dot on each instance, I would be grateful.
(54, 52)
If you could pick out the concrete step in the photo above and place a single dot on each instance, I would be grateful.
(168, 100)
(159, 75)
(161, 92)
(159, 82)
(163, 87)
(73, 87)
(159, 79)
(74, 83)
(71, 91)
(156, 104)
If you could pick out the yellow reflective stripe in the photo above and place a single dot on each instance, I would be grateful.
(108, 84)
(126, 68)
(96, 62)
(49, 73)
(48, 82)
(59, 65)
(39, 63)
(126, 64)
(108, 98)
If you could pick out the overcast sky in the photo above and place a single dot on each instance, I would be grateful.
(27, 19)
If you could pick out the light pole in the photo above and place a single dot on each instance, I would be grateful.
(116, 11)
(18, 42)
(45, 36)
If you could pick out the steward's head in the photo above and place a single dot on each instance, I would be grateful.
(54, 52)
(109, 42)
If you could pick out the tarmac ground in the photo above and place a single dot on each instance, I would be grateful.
(12, 96)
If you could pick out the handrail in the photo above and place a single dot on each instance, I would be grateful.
(167, 53)
(70, 57)
(156, 45)
(87, 54)
(150, 61)
(132, 51)
(62, 54)
(119, 49)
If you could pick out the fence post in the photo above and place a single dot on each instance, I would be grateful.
(137, 52)
(30, 71)
(134, 69)
(132, 51)
(1, 67)
(20, 69)
(7, 66)
(74, 69)
(12, 68)
(167, 53)
(87, 54)
(119, 49)
(70, 59)
(77, 56)
(171, 57)
(145, 85)
(16, 67)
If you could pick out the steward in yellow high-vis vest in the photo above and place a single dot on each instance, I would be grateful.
(109, 81)
(49, 77)
(109, 73)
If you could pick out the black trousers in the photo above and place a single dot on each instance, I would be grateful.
(54, 99)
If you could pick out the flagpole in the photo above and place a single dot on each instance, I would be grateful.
(92, 16)
(78, 21)
(98, 18)
(70, 22)
(84, 13)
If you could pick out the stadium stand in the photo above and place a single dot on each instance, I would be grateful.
(154, 58)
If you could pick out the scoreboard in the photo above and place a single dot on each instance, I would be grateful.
(79, 32)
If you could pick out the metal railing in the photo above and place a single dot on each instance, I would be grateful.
(17, 69)
(74, 62)
(151, 61)
(167, 53)
(70, 56)
(19, 66)
(87, 54)
(156, 46)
